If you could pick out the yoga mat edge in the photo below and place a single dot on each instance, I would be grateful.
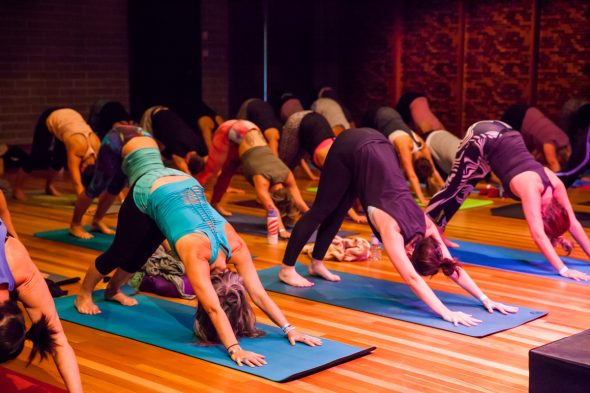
(326, 366)
(168, 325)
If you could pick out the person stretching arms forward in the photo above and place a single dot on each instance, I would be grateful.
(362, 163)
(492, 145)
(165, 203)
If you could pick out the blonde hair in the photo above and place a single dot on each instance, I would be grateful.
(234, 302)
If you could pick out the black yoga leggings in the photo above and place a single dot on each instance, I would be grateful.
(136, 239)
(15, 158)
(336, 194)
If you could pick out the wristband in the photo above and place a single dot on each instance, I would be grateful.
(285, 326)
(483, 298)
(282, 230)
(288, 330)
(563, 270)
(233, 345)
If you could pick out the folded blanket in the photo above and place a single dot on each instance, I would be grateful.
(347, 249)
(164, 275)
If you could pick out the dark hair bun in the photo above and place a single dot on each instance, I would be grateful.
(449, 266)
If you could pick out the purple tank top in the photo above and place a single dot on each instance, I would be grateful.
(378, 178)
(508, 157)
(6, 276)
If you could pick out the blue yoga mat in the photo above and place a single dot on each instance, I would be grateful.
(515, 211)
(169, 325)
(255, 225)
(515, 260)
(100, 241)
(397, 301)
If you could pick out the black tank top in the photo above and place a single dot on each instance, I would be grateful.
(313, 130)
(508, 157)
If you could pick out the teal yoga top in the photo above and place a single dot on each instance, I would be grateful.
(178, 208)
(143, 167)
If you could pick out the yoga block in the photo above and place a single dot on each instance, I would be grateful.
(561, 366)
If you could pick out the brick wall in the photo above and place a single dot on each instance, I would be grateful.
(59, 52)
(472, 59)
(214, 66)
(429, 55)
(564, 53)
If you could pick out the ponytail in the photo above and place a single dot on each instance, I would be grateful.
(41, 335)
(565, 244)
(449, 266)
(428, 259)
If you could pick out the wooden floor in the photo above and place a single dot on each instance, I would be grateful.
(409, 357)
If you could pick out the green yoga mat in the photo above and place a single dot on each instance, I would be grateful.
(169, 325)
(100, 241)
(471, 203)
(468, 204)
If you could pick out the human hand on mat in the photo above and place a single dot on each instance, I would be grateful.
(576, 275)
(295, 336)
(458, 317)
(248, 358)
(491, 305)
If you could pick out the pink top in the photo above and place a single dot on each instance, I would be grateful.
(224, 154)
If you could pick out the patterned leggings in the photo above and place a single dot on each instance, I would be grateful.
(471, 165)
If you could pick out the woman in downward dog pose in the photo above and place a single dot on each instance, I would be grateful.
(240, 142)
(492, 145)
(307, 132)
(168, 204)
(20, 280)
(260, 113)
(74, 144)
(413, 153)
(362, 163)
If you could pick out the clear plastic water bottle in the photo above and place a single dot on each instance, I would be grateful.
(272, 226)
(375, 248)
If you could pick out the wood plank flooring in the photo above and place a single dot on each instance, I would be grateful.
(409, 358)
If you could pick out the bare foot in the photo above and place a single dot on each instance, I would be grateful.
(19, 195)
(222, 211)
(317, 268)
(85, 305)
(102, 227)
(120, 297)
(79, 232)
(233, 190)
(51, 190)
(289, 276)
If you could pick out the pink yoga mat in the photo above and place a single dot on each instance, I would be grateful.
(13, 382)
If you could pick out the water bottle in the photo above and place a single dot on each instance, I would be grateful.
(272, 226)
(375, 248)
